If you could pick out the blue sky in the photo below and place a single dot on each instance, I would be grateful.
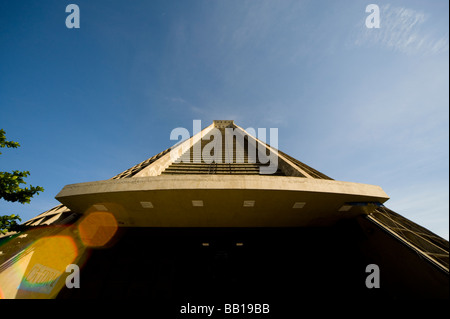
(361, 105)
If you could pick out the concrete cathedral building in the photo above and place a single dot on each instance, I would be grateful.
(223, 216)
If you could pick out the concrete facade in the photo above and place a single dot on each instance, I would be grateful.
(222, 229)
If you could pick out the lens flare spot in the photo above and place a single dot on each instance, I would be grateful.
(97, 229)
(49, 259)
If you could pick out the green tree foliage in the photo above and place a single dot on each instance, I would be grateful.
(11, 190)
(8, 223)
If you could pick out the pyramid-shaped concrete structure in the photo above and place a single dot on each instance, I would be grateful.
(222, 211)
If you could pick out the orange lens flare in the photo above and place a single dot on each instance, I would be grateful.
(48, 258)
(97, 229)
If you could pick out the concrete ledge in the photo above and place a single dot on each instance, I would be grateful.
(221, 201)
(191, 182)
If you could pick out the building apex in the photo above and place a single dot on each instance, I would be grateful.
(223, 123)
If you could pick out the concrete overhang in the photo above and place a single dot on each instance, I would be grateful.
(221, 200)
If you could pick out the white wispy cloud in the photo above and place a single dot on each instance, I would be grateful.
(186, 104)
(196, 109)
(404, 30)
(176, 100)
